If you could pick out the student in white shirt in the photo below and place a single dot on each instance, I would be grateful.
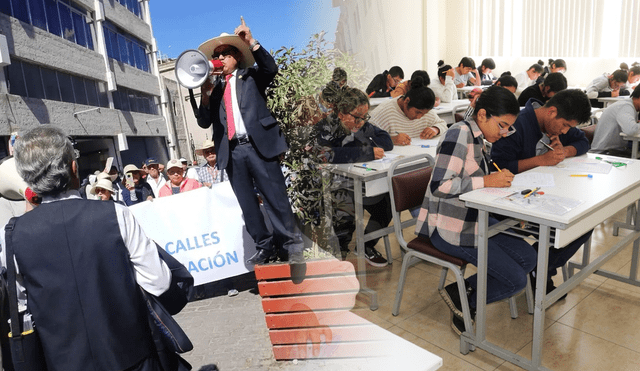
(443, 87)
(528, 77)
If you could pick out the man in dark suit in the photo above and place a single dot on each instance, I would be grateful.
(248, 140)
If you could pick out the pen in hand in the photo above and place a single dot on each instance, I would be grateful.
(546, 145)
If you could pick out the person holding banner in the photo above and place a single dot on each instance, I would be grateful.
(209, 173)
(248, 140)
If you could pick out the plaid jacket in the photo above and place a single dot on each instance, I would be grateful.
(460, 165)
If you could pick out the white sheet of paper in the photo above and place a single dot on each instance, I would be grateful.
(387, 157)
(583, 165)
(531, 179)
(425, 142)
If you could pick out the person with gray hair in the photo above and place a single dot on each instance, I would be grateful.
(82, 264)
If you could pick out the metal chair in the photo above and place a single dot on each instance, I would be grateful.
(407, 189)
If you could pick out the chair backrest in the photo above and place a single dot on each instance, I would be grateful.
(407, 188)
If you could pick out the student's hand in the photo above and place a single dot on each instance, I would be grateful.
(498, 179)
(401, 139)
(429, 132)
(615, 93)
(451, 73)
(378, 153)
(437, 103)
(554, 157)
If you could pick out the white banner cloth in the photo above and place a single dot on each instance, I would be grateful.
(203, 229)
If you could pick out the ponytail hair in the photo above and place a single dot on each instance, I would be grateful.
(442, 69)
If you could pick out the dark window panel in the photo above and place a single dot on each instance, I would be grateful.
(16, 79)
(122, 47)
(33, 80)
(66, 89)
(124, 99)
(79, 28)
(53, 17)
(5, 7)
(102, 94)
(132, 56)
(20, 10)
(67, 23)
(38, 17)
(79, 90)
(133, 102)
(87, 28)
(50, 81)
(92, 92)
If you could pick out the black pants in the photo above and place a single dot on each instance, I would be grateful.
(379, 208)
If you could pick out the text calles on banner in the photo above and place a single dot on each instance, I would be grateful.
(203, 229)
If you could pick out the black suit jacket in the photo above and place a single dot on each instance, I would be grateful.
(262, 127)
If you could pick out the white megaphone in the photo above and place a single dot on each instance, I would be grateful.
(193, 68)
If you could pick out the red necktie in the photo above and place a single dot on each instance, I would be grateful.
(231, 126)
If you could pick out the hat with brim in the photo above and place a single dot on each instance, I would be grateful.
(130, 169)
(210, 45)
(12, 186)
(174, 163)
(206, 145)
(104, 184)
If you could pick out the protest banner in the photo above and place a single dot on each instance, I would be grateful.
(203, 229)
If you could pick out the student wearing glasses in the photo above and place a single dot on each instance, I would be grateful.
(461, 165)
(346, 136)
(383, 84)
(410, 116)
(545, 135)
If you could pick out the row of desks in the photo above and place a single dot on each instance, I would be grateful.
(602, 196)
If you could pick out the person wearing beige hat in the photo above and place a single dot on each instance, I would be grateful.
(209, 173)
(177, 182)
(103, 190)
(248, 140)
(136, 190)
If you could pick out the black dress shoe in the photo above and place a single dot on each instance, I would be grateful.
(262, 257)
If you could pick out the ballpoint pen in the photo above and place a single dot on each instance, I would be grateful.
(546, 145)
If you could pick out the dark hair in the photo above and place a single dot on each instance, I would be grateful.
(331, 93)
(620, 75)
(467, 62)
(443, 68)
(507, 80)
(421, 97)
(396, 71)
(349, 99)
(339, 74)
(635, 69)
(421, 77)
(555, 81)
(636, 92)
(488, 63)
(558, 63)
(497, 101)
(505, 73)
(537, 67)
(572, 104)
(624, 66)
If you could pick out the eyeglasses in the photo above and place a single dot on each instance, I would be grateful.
(358, 118)
(505, 129)
(208, 151)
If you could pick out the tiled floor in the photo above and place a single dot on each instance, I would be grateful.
(597, 327)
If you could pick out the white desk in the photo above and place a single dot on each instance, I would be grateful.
(465, 90)
(611, 100)
(374, 182)
(603, 196)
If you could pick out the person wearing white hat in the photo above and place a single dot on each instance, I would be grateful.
(209, 173)
(137, 191)
(177, 182)
(248, 140)
(103, 190)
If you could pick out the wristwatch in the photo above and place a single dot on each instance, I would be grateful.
(254, 43)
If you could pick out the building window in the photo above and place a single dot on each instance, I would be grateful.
(130, 100)
(133, 6)
(125, 48)
(59, 17)
(30, 80)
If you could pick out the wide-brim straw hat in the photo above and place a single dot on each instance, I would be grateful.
(206, 145)
(210, 45)
(104, 184)
(130, 168)
(12, 186)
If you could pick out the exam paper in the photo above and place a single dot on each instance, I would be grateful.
(532, 179)
(425, 142)
(583, 165)
(546, 203)
(387, 157)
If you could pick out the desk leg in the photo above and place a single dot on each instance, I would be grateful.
(540, 294)
(481, 294)
(362, 264)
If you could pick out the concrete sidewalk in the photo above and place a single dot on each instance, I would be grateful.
(231, 332)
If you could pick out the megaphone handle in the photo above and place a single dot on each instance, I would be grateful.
(194, 105)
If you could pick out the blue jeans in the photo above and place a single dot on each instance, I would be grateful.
(510, 259)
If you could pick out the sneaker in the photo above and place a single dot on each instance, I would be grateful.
(374, 258)
(457, 324)
(452, 298)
